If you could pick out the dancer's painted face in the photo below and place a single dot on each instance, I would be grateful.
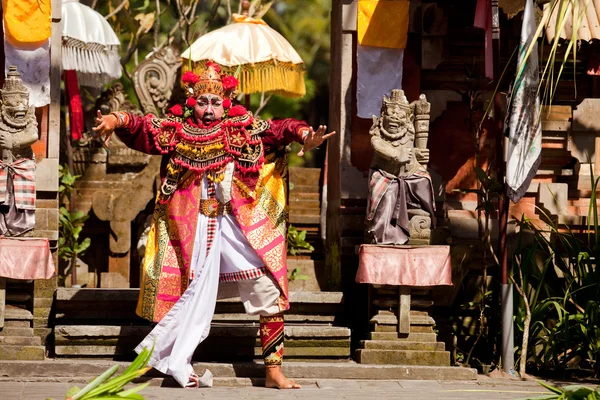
(208, 108)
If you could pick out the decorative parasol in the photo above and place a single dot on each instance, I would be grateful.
(89, 45)
(260, 57)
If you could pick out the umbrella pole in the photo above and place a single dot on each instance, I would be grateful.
(247, 101)
(506, 292)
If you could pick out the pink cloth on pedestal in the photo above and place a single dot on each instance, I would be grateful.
(25, 258)
(404, 265)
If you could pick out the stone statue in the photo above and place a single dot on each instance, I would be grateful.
(18, 131)
(401, 202)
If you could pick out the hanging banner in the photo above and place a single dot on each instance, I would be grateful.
(383, 23)
(524, 128)
(34, 66)
(379, 71)
(27, 21)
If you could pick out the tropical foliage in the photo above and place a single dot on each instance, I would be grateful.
(570, 392)
(70, 223)
(103, 387)
(558, 275)
(562, 50)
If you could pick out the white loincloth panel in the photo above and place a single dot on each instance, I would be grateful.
(187, 324)
(239, 260)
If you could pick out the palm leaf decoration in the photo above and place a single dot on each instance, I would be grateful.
(557, 14)
(105, 387)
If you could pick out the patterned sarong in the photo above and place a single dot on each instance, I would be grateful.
(22, 173)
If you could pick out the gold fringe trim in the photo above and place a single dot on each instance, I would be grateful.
(281, 78)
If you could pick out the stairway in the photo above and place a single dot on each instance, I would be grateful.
(418, 347)
(102, 323)
(17, 338)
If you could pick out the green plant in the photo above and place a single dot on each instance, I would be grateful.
(296, 241)
(559, 282)
(70, 226)
(571, 392)
(102, 387)
(295, 275)
(70, 223)
(67, 182)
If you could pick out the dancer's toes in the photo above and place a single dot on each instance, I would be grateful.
(276, 379)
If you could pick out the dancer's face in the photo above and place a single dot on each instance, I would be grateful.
(208, 108)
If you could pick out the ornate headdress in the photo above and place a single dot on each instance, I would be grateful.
(210, 81)
(13, 85)
(397, 98)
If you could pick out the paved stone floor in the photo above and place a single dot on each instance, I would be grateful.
(483, 388)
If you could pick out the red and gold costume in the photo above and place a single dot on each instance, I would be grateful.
(195, 155)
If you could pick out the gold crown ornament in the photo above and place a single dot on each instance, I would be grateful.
(210, 81)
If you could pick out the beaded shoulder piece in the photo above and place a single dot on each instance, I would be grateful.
(209, 150)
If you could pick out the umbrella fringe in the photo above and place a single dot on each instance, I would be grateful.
(95, 64)
(282, 78)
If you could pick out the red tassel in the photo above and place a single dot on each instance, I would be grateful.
(75, 106)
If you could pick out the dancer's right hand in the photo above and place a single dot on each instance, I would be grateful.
(106, 125)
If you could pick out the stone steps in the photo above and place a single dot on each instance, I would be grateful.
(18, 352)
(303, 341)
(12, 312)
(21, 340)
(403, 357)
(414, 337)
(102, 323)
(401, 345)
(16, 331)
(117, 306)
(75, 369)
(17, 338)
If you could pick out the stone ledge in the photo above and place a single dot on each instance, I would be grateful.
(403, 357)
(401, 345)
(305, 331)
(233, 353)
(18, 352)
(51, 370)
(17, 313)
(131, 295)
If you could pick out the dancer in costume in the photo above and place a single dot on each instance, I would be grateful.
(220, 216)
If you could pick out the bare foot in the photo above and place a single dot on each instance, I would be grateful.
(276, 379)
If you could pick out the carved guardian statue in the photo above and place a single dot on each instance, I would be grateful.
(401, 202)
(18, 131)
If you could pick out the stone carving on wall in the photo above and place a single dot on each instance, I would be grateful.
(155, 79)
(18, 131)
(401, 202)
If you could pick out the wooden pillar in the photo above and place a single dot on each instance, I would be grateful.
(343, 28)
(333, 243)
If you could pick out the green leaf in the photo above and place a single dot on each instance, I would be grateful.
(96, 382)
(72, 392)
(550, 388)
(134, 390)
(577, 391)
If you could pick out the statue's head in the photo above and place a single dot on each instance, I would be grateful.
(15, 100)
(210, 94)
(396, 115)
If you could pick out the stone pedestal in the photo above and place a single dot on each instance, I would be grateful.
(402, 330)
(400, 280)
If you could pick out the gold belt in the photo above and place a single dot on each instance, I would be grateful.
(212, 207)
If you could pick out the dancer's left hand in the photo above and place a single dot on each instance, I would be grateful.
(314, 139)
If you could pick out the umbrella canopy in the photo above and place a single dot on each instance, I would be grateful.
(89, 45)
(263, 60)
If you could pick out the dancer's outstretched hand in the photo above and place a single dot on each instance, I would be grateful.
(314, 139)
(106, 125)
